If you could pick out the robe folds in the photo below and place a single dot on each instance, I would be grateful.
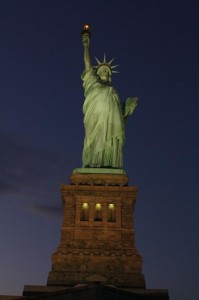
(103, 122)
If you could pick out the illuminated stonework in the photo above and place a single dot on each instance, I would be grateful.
(97, 236)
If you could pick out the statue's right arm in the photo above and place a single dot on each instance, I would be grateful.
(86, 44)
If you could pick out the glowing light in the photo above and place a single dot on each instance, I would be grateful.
(85, 205)
(111, 206)
(86, 26)
(86, 29)
(98, 206)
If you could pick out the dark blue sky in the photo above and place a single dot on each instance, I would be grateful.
(156, 46)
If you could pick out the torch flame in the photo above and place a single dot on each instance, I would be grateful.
(86, 26)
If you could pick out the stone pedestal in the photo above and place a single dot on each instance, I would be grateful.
(97, 236)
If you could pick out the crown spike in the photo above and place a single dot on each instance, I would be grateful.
(97, 60)
(113, 67)
(108, 64)
(111, 60)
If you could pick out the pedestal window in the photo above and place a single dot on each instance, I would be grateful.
(84, 212)
(98, 212)
(111, 213)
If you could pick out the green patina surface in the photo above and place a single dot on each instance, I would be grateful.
(99, 171)
(104, 116)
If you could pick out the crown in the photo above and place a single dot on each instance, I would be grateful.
(107, 64)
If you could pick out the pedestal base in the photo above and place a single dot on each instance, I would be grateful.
(97, 237)
(93, 292)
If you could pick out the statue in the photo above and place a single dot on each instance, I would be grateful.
(104, 115)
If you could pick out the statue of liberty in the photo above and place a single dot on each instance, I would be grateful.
(104, 115)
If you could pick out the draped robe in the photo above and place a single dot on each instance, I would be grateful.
(103, 122)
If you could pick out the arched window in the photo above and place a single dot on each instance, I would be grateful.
(84, 212)
(98, 212)
(111, 213)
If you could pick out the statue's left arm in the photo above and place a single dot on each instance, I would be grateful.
(129, 106)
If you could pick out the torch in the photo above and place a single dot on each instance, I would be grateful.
(86, 30)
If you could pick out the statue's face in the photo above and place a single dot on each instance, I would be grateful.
(104, 73)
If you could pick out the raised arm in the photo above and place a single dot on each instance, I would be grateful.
(86, 44)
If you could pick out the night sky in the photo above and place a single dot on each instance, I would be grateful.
(156, 45)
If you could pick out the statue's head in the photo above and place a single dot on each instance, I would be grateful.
(104, 70)
(104, 73)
